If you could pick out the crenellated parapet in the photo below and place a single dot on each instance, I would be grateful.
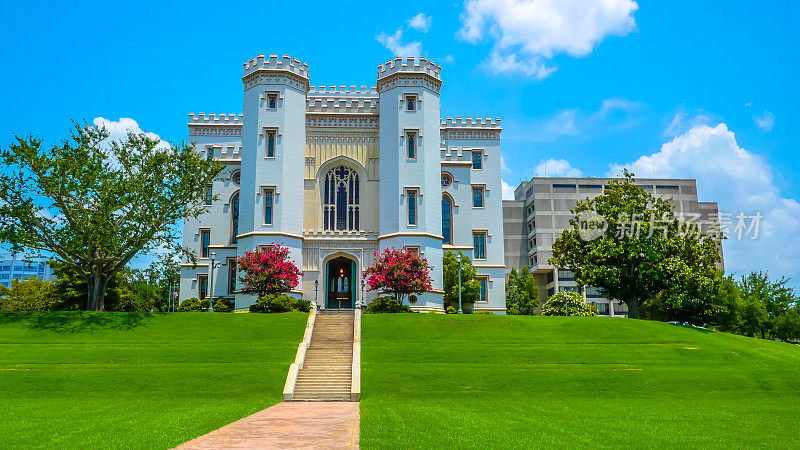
(410, 72)
(342, 106)
(215, 125)
(410, 65)
(471, 128)
(276, 63)
(216, 119)
(469, 122)
(344, 91)
(276, 70)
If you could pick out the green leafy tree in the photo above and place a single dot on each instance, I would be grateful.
(96, 203)
(639, 251)
(763, 302)
(554, 306)
(522, 296)
(787, 325)
(470, 288)
(31, 294)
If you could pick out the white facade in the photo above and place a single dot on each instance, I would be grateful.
(339, 173)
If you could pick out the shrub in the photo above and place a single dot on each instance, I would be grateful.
(274, 303)
(193, 305)
(485, 313)
(386, 305)
(468, 308)
(554, 306)
(452, 310)
(223, 305)
(302, 305)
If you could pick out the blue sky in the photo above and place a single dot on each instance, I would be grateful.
(696, 88)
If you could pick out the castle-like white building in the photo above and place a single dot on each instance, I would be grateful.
(337, 174)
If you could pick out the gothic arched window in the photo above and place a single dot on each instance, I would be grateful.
(234, 217)
(340, 199)
(447, 220)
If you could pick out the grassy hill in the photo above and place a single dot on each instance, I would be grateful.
(438, 381)
(137, 380)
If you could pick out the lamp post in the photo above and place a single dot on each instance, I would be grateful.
(316, 287)
(458, 258)
(361, 300)
(211, 282)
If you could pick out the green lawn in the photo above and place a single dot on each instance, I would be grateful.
(137, 380)
(438, 381)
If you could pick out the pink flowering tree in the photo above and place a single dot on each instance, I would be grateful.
(399, 272)
(267, 271)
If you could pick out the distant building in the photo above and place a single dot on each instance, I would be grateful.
(540, 212)
(18, 267)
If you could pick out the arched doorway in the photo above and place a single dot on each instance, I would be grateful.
(340, 282)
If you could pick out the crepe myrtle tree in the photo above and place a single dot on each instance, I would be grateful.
(399, 272)
(267, 270)
(95, 203)
(630, 243)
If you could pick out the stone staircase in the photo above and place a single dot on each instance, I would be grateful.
(327, 371)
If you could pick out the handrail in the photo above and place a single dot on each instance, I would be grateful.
(300, 358)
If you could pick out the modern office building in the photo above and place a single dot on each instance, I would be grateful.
(18, 267)
(337, 174)
(541, 209)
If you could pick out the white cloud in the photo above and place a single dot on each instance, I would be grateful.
(740, 181)
(681, 123)
(613, 112)
(556, 168)
(526, 34)
(395, 44)
(503, 166)
(119, 129)
(765, 121)
(420, 22)
(508, 191)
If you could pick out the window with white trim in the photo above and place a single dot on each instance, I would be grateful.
(340, 199)
(478, 245)
(269, 205)
(477, 160)
(413, 207)
(270, 144)
(477, 196)
(411, 144)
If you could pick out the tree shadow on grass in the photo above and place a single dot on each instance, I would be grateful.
(77, 321)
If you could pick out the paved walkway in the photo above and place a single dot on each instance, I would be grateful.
(288, 425)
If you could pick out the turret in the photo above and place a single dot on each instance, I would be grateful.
(410, 167)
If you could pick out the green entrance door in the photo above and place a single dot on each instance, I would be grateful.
(339, 281)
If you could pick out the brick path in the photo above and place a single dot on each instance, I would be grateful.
(288, 425)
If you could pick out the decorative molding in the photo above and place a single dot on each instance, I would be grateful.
(215, 130)
(268, 233)
(476, 134)
(342, 137)
(414, 80)
(490, 266)
(411, 234)
(341, 122)
(268, 78)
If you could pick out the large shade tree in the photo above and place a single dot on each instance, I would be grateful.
(95, 203)
(630, 243)
(399, 272)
